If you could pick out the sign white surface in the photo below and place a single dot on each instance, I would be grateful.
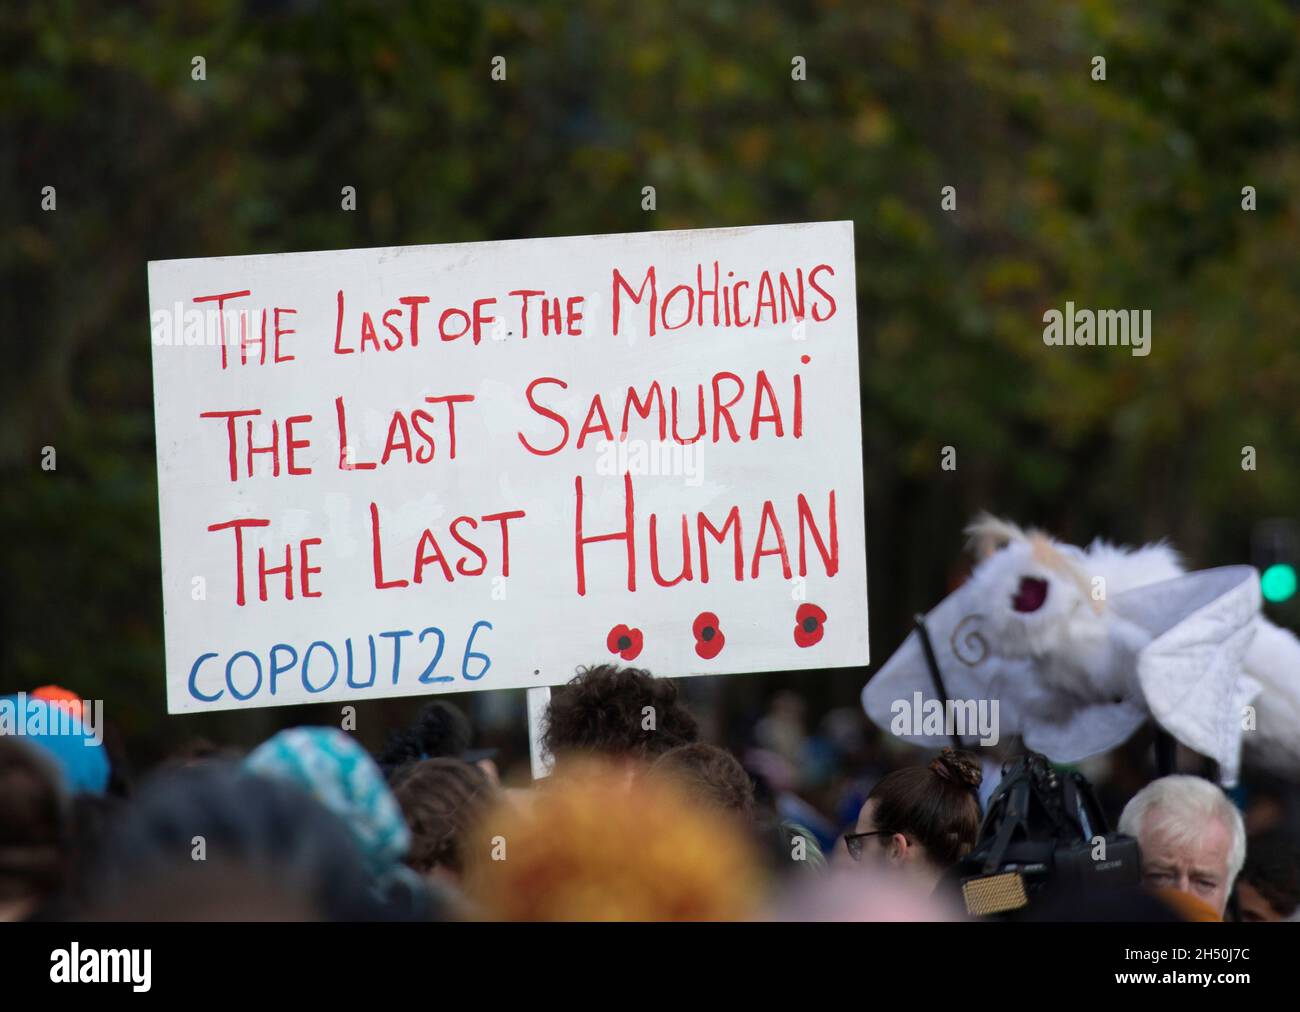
(441, 431)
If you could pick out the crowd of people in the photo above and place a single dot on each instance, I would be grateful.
(639, 819)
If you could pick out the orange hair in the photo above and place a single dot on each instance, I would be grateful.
(595, 845)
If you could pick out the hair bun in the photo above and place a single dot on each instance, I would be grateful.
(960, 768)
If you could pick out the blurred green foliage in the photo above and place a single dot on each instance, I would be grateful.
(1123, 193)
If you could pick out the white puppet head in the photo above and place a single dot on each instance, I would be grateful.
(1040, 603)
(1080, 647)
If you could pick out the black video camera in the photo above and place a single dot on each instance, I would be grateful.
(1042, 830)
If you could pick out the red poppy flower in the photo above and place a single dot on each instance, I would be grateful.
(810, 624)
(708, 637)
(625, 642)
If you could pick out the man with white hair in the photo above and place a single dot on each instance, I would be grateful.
(1191, 837)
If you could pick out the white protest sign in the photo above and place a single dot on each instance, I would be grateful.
(431, 469)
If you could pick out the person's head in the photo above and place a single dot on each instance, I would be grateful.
(35, 824)
(439, 730)
(1268, 888)
(617, 713)
(339, 773)
(255, 835)
(77, 750)
(442, 801)
(593, 846)
(922, 819)
(1191, 837)
(710, 775)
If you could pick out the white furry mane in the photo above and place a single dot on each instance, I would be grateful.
(1123, 567)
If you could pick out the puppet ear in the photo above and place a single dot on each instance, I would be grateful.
(986, 534)
(1192, 670)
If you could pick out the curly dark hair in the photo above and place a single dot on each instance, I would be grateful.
(439, 729)
(441, 799)
(710, 775)
(602, 711)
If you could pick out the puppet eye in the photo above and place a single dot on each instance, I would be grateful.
(1030, 595)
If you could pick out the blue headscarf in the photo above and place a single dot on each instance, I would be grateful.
(340, 774)
(61, 736)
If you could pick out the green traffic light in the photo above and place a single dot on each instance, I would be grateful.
(1278, 583)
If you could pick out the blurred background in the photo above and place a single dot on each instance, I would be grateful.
(1123, 192)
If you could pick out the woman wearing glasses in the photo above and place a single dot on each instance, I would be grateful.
(920, 820)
